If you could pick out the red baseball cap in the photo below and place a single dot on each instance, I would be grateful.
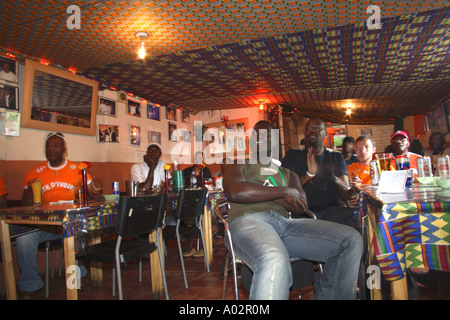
(399, 133)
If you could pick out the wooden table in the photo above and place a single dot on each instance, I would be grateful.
(72, 219)
(95, 217)
(406, 230)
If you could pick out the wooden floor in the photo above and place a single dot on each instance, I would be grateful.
(204, 285)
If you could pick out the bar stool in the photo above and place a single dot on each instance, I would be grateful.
(47, 245)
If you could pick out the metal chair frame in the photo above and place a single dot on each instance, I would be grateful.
(183, 212)
(231, 255)
(122, 250)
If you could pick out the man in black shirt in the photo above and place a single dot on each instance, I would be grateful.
(323, 174)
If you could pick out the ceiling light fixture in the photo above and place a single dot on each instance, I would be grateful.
(142, 35)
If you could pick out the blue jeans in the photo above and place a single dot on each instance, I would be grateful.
(265, 241)
(27, 254)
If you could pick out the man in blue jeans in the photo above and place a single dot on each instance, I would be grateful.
(262, 194)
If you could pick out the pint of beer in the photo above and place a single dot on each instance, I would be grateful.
(36, 186)
(384, 159)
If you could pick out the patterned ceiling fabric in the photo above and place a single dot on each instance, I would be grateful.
(204, 55)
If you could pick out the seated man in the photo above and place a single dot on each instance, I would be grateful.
(262, 196)
(400, 145)
(323, 174)
(60, 179)
(149, 173)
(360, 171)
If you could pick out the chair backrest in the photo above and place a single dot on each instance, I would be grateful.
(191, 203)
(140, 215)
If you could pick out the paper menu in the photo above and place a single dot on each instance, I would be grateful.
(392, 181)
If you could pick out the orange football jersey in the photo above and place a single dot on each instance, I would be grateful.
(57, 183)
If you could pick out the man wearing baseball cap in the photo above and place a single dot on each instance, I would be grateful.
(400, 143)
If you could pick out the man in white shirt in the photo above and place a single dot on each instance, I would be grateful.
(6, 72)
(149, 173)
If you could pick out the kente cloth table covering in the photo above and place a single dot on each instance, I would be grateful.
(73, 218)
(413, 230)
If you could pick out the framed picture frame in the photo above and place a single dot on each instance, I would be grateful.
(107, 107)
(171, 113)
(153, 111)
(9, 71)
(172, 127)
(134, 108)
(9, 97)
(186, 135)
(135, 135)
(154, 137)
(437, 119)
(185, 116)
(9, 123)
(231, 140)
(108, 133)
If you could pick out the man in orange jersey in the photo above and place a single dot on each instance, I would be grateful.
(60, 179)
(360, 171)
(400, 144)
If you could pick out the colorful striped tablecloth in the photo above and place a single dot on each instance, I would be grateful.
(413, 233)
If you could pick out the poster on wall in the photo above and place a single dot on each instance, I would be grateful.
(9, 123)
(107, 107)
(185, 116)
(9, 70)
(135, 135)
(108, 133)
(153, 111)
(437, 120)
(154, 137)
(9, 97)
(172, 131)
(134, 108)
(171, 113)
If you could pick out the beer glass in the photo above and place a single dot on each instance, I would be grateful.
(36, 186)
(384, 160)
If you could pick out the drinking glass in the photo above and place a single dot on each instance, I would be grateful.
(385, 161)
(36, 186)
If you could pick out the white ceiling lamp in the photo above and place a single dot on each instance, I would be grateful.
(142, 35)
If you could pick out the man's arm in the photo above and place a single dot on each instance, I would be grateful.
(238, 190)
(95, 188)
(294, 182)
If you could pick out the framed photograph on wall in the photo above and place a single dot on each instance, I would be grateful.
(172, 131)
(153, 111)
(108, 133)
(171, 113)
(185, 116)
(9, 70)
(9, 97)
(154, 137)
(9, 123)
(133, 108)
(186, 136)
(107, 107)
(135, 135)
(437, 119)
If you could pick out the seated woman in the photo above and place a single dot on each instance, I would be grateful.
(437, 145)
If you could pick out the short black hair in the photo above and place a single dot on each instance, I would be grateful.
(348, 139)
